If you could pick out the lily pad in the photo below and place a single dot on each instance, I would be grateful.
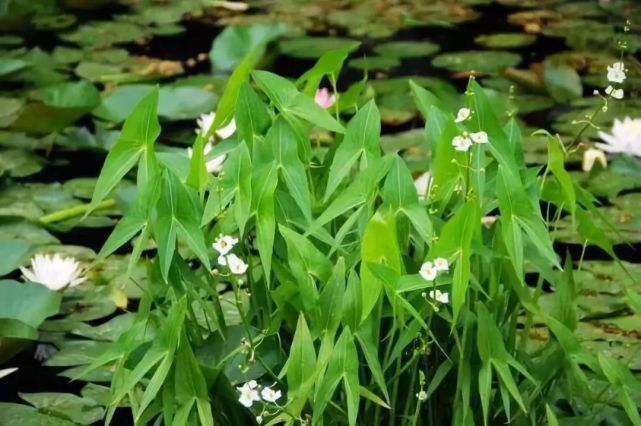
(406, 49)
(67, 406)
(381, 63)
(312, 47)
(505, 40)
(19, 163)
(18, 414)
(24, 306)
(486, 62)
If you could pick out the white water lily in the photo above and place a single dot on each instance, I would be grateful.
(206, 120)
(441, 264)
(428, 271)
(324, 98)
(591, 156)
(6, 371)
(439, 296)
(270, 395)
(215, 165)
(462, 115)
(615, 93)
(248, 393)
(616, 72)
(422, 184)
(55, 272)
(479, 137)
(462, 142)
(224, 244)
(625, 137)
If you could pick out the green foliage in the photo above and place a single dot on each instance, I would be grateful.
(337, 302)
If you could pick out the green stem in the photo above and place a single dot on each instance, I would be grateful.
(71, 212)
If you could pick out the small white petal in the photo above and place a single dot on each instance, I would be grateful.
(590, 156)
(422, 184)
(441, 264)
(224, 244)
(324, 99)
(427, 271)
(616, 72)
(461, 143)
(479, 137)
(6, 371)
(462, 115)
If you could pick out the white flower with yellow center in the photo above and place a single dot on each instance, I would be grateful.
(462, 142)
(479, 137)
(224, 244)
(616, 72)
(462, 115)
(270, 395)
(235, 264)
(625, 137)
(441, 264)
(55, 272)
(248, 393)
(591, 156)
(428, 271)
(206, 120)
(439, 296)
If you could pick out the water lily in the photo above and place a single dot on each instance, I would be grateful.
(422, 184)
(592, 155)
(206, 120)
(215, 165)
(625, 137)
(55, 272)
(479, 137)
(439, 296)
(270, 395)
(462, 142)
(615, 93)
(324, 98)
(616, 72)
(248, 393)
(428, 271)
(224, 244)
(441, 264)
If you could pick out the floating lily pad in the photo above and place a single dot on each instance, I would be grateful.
(9, 110)
(9, 65)
(312, 47)
(105, 33)
(67, 406)
(505, 40)
(12, 229)
(18, 414)
(406, 49)
(24, 306)
(485, 62)
(19, 163)
(380, 63)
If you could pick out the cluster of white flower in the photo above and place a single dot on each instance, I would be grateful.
(223, 245)
(249, 394)
(55, 272)
(616, 75)
(429, 271)
(464, 141)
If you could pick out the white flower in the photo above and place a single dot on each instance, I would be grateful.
(462, 115)
(215, 165)
(592, 155)
(54, 272)
(422, 184)
(248, 393)
(6, 371)
(615, 93)
(488, 220)
(259, 419)
(422, 396)
(440, 264)
(224, 244)
(324, 99)
(270, 395)
(439, 296)
(625, 137)
(428, 271)
(479, 137)
(206, 120)
(616, 72)
(462, 142)
(235, 263)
